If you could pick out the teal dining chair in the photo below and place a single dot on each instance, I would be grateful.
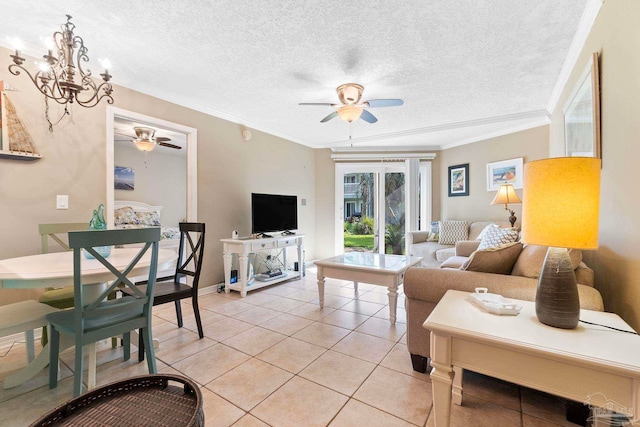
(104, 318)
(60, 297)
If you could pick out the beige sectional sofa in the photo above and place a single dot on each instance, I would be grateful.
(433, 252)
(424, 287)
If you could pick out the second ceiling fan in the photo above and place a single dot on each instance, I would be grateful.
(351, 107)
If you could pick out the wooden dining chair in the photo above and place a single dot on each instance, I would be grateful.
(174, 288)
(60, 297)
(105, 318)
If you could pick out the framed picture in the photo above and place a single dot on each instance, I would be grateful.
(582, 114)
(459, 180)
(504, 172)
(124, 178)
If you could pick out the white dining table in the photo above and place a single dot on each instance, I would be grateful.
(56, 270)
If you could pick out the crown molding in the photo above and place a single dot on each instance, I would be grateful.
(577, 44)
(535, 114)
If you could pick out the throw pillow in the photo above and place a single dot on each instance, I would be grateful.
(151, 218)
(452, 231)
(125, 215)
(484, 231)
(529, 263)
(497, 260)
(497, 236)
(433, 237)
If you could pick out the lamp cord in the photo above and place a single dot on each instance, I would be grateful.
(610, 327)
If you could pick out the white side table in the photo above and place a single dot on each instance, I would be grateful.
(590, 364)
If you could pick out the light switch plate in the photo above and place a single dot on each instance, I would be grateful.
(62, 202)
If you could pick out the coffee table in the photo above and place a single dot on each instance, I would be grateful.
(367, 267)
(590, 364)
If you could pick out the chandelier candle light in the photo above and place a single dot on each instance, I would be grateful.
(505, 195)
(560, 210)
(62, 77)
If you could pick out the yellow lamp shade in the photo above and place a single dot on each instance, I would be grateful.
(561, 201)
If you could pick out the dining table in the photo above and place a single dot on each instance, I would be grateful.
(56, 270)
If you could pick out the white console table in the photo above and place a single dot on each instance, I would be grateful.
(244, 246)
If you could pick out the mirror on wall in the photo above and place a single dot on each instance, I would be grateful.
(151, 162)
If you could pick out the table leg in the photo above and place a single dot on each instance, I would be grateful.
(320, 287)
(457, 385)
(355, 287)
(242, 274)
(39, 363)
(393, 303)
(226, 258)
(441, 379)
(91, 369)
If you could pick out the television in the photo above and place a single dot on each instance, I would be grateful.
(273, 212)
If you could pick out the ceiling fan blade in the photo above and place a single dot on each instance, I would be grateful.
(166, 144)
(162, 139)
(327, 104)
(384, 102)
(368, 117)
(329, 117)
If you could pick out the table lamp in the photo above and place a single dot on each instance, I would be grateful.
(560, 210)
(505, 195)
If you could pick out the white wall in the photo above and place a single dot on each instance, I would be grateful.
(160, 180)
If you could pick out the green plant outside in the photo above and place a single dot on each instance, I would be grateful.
(358, 241)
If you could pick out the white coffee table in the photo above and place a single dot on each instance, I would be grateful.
(589, 364)
(367, 267)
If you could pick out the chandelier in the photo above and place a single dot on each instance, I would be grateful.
(62, 78)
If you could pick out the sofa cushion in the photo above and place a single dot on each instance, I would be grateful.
(496, 236)
(452, 231)
(454, 262)
(445, 254)
(498, 260)
(529, 263)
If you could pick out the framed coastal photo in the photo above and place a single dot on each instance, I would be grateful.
(459, 180)
(124, 178)
(582, 114)
(504, 172)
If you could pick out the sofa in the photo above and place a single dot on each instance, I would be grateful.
(516, 278)
(433, 250)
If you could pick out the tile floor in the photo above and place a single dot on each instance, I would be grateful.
(275, 359)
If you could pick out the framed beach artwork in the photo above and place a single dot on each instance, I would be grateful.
(504, 172)
(459, 180)
(582, 114)
(124, 178)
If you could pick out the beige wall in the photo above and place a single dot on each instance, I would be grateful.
(616, 37)
(74, 163)
(531, 144)
(325, 204)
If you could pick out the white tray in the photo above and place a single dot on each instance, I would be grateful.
(494, 303)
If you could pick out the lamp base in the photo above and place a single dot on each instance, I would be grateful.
(557, 300)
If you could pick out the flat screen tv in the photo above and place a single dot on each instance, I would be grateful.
(273, 212)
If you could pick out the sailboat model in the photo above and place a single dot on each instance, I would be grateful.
(16, 142)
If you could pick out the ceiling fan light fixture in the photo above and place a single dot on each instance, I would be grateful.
(349, 113)
(145, 140)
(144, 144)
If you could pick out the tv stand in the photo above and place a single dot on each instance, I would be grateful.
(244, 246)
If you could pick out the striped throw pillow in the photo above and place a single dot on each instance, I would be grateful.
(497, 236)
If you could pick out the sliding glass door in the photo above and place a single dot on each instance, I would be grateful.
(371, 206)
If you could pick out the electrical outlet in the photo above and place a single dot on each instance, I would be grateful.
(62, 202)
(303, 202)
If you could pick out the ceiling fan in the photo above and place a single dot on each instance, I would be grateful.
(146, 141)
(351, 108)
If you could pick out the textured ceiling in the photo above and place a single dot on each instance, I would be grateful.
(466, 69)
